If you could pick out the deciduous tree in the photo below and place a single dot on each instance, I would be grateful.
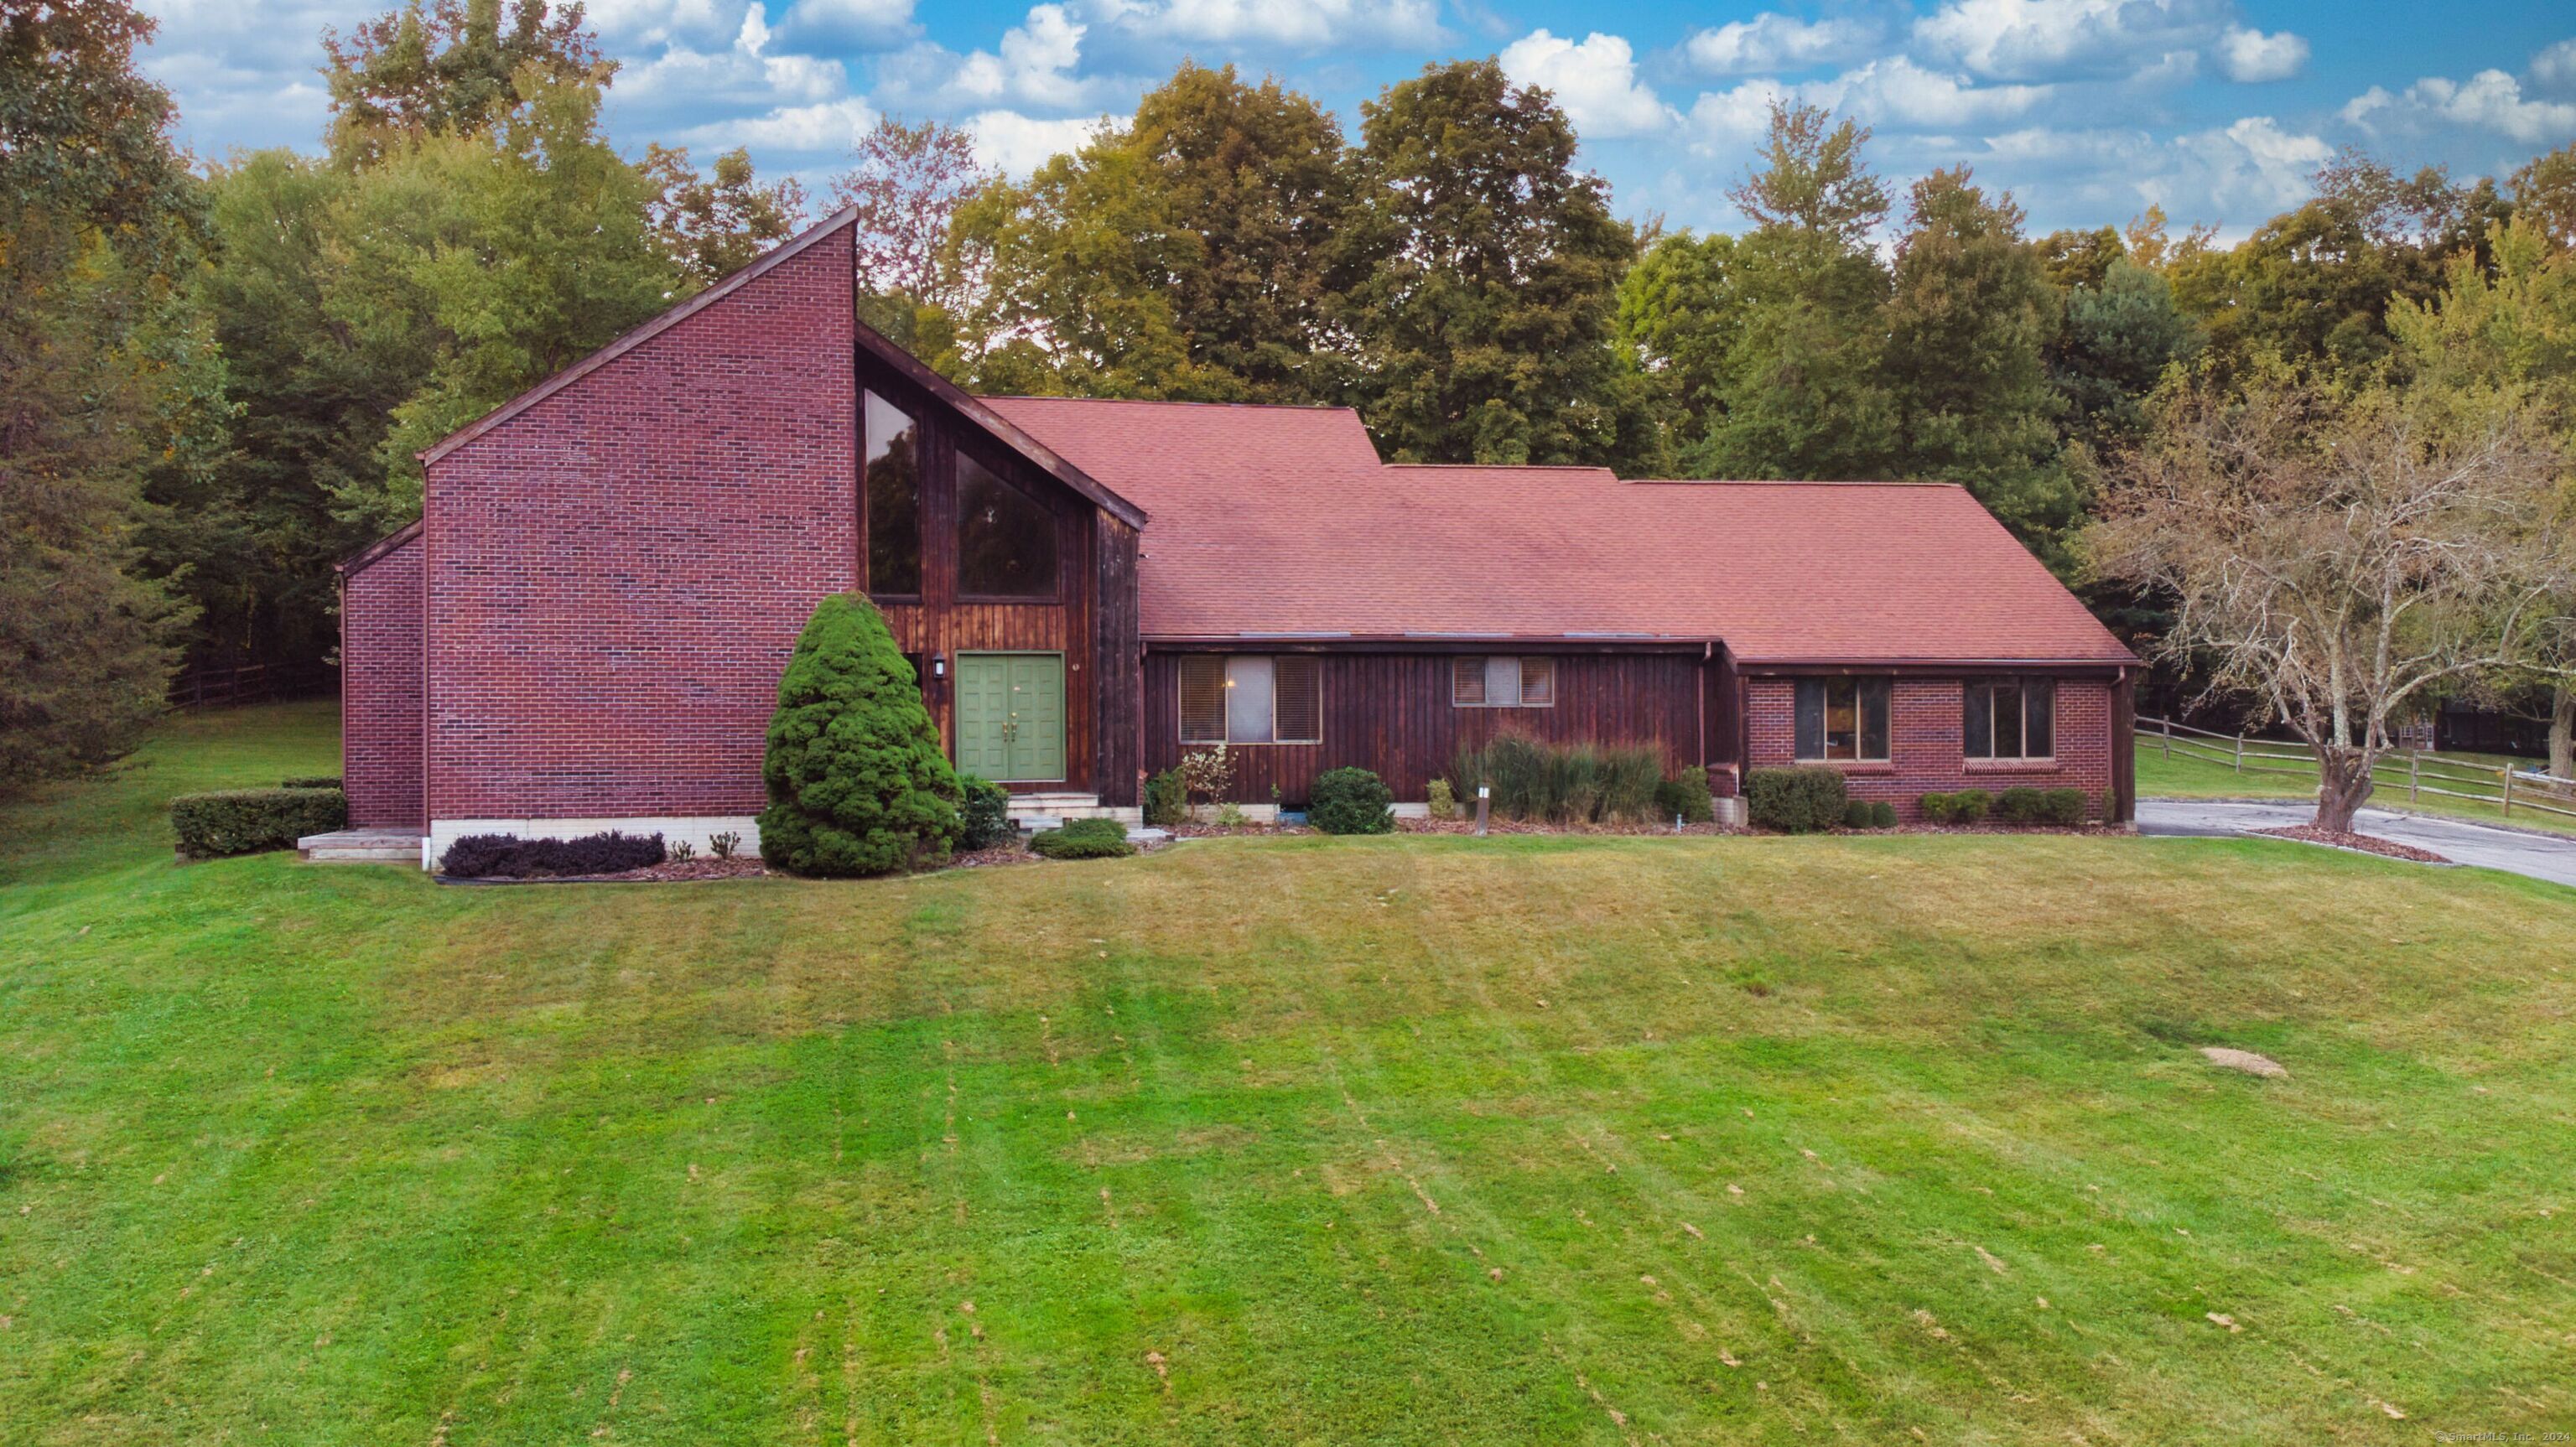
(715, 224)
(907, 180)
(446, 67)
(2338, 550)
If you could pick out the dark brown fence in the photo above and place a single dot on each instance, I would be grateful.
(252, 683)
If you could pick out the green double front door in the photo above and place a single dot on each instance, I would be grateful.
(1010, 716)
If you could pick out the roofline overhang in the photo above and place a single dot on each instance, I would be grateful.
(1798, 665)
(358, 561)
(1426, 642)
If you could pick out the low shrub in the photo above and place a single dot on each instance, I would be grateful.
(985, 807)
(1857, 814)
(1576, 783)
(1444, 800)
(1882, 815)
(724, 843)
(2062, 806)
(246, 821)
(507, 856)
(1935, 808)
(311, 781)
(1685, 795)
(1800, 800)
(2018, 805)
(1166, 802)
(1970, 806)
(1350, 801)
(1084, 839)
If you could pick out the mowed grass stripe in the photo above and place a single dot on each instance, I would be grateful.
(1767, 1139)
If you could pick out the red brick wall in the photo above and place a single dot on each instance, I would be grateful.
(1924, 744)
(617, 575)
(380, 672)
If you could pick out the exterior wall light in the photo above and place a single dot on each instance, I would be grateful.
(939, 665)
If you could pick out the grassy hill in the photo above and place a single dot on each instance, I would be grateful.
(1400, 1139)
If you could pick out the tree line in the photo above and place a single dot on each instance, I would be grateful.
(218, 373)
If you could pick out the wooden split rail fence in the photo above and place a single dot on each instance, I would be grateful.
(2418, 771)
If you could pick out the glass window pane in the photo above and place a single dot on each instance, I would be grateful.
(1006, 539)
(1977, 726)
(2007, 721)
(1503, 682)
(1538, 682)
(1298, 684)
(1811, 718)
(2040, 739)
(1202, 698)
(893, 488)
(1873, 718)
(1247, 700)
(1842, 719)
(1466, 682)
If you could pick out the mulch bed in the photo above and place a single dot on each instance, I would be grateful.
(1534, 826)
(2366, 843)
(670, 871)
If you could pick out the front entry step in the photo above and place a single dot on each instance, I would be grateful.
(361, 846)
(1034, 813)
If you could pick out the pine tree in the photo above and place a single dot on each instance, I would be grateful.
(858, 783)
(104, 378)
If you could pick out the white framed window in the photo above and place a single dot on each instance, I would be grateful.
(2009, 718)
(1252, 698)
(1501, 682)
(1842, 719)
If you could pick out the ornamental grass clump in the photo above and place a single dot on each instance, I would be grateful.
(857, 781)
(1575, 783)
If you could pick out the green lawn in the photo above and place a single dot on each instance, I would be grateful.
(2186, 777)
(1404, 1139)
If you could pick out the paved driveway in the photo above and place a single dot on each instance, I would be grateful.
(2541, 856)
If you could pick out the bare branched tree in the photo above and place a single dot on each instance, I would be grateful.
(2338, 552)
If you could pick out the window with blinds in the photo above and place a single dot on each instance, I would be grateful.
(1252, 698)
(1502, 682)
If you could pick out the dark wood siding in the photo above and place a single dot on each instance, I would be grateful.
(1390, 712)
(1117, 676)
(939, 622)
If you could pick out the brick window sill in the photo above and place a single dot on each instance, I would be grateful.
(2012, 766)
(1851, 766)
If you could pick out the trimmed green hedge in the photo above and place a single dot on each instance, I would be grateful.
(1167, 801)
(315, 781)
(1350, 801)
(247, 821)
(2023, 805)
(1084, 839)
(1968, 806)
(1803, 800)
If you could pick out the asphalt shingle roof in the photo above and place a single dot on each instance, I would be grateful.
(1282, 522)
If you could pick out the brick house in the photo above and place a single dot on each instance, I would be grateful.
(587, 625)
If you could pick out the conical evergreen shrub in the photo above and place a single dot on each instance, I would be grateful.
(857, 782)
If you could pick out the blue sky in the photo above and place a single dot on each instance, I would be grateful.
(2088, 110)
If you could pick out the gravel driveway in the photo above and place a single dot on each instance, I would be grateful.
(2540, 856)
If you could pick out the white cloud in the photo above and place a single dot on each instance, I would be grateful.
(1595, 80)
(2249, 169)
(2555, 67)
(2247, 54)
(1772, 41)
(827, 126)
(1893, 92)
(1016, 144)
(685, 81)
(1032, 66)
(663, 22)
(856, 24)
(2489, 100)
(1307, 25)
(2034, 39)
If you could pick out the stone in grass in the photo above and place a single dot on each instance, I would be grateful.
(2245, 1060)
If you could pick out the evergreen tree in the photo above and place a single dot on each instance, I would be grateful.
(858, 782)
(1484, 320)
(2116, 338)
(1801, 392)
(104, 378)
(1968, 316)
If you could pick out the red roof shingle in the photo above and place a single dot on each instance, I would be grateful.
(1282, 522)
